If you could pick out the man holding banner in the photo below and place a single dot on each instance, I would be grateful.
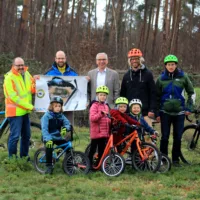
(61, 68)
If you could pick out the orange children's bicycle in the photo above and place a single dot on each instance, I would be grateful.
(111, 162)
(145, 157)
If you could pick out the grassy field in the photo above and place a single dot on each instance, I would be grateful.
(21, 181)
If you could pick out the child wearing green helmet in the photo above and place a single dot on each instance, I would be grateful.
(122, 118)
(99, 123)
(171, 105)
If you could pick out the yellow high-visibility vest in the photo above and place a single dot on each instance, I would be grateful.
(18, 92)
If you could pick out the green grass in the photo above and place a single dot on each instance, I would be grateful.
(19, 180)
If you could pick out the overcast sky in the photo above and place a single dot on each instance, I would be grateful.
(101, 4)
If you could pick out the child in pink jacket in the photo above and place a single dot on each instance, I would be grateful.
(99, 123)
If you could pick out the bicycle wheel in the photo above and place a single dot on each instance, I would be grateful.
(190, 147)
(113, 164)
(76, 162)
(35, 132)
(40, 160)
(165, 164)
(152, 159)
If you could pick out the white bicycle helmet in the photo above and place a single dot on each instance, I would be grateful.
(135, 101)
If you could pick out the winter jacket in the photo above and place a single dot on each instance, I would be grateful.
(169, 92)
(144, 124)
(51, 125)
(55, 72)
(18, 92)
(99, 123)
(140, 85)
(123, 119)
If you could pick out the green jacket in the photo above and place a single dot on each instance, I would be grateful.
(170, 87)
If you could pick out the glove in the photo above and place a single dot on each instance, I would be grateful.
(49, 144)
(156, 133)
(63, 131)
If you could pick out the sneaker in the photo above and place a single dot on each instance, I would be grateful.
(128, 161)
(49, 170)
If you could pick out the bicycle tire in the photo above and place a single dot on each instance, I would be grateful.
(165, 165)
(190, 148)
(39, 161)
(76, 162)
(113, 164)
(33, 125)
(152, 163)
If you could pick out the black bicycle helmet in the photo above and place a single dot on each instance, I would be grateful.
(57, 99)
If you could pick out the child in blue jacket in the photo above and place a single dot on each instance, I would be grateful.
(54, 128)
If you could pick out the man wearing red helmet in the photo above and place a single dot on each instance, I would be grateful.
(138, 83)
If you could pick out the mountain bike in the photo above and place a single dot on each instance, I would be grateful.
(5, 130)
(74, 162)
(190, 147)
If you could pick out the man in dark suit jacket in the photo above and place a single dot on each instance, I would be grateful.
(103, 75)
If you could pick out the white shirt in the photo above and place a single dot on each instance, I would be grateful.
(101, 78)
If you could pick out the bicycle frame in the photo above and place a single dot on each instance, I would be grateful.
(109, 147)
(66, 146)
(131, 137)
(3, 124)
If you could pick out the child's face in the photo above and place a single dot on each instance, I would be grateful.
(57, 107)
(136, 109)
(122, 108)
(102, 97)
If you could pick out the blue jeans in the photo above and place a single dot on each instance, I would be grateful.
(19, 126)
(178, 124)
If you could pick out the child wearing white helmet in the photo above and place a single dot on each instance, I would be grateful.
(135, 106)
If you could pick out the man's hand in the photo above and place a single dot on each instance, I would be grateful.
(49, 144)
(36, 77)
(88, 78)
(63, 131)
(187, 113)
(150, 114)
(158, 119)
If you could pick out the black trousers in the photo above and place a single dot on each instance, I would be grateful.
(50, 150)
(99, 143)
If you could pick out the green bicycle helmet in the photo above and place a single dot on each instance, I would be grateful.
(102, 89)
(170, 58)
(57, 99)
(121, 100)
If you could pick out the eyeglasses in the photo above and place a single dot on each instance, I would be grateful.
(22, 65)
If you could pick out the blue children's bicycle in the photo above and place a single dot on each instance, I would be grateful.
(74, 162)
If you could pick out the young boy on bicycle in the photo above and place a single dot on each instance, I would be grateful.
(54, 128)
(135, 107)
